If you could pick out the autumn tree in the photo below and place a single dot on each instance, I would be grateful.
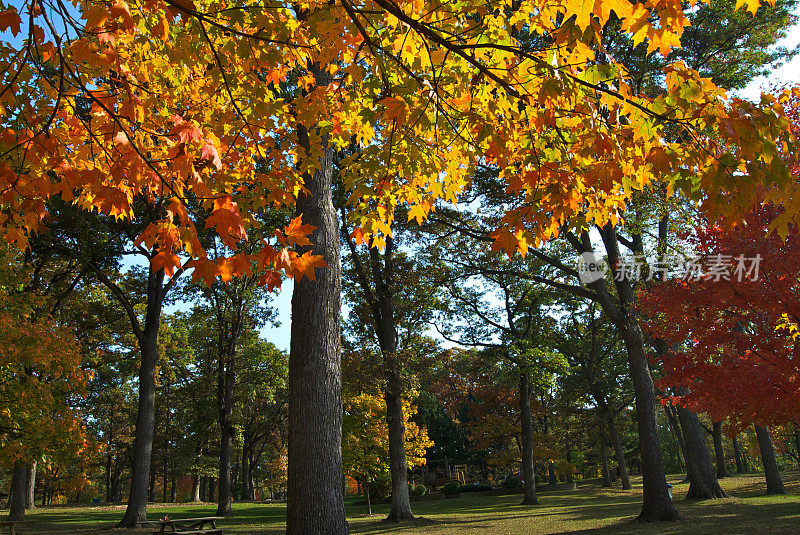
(366, 443)
(261, 407)
(390, 295)
(427, 87)
(41, 373)
(490, 303)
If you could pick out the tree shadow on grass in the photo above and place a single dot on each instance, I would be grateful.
(712, 517)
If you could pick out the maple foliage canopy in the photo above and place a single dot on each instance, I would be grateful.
(229, 105)
(735, 342)
(41, 378)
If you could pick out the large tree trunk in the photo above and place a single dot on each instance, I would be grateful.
(19, 491)
(771, 473)
(703, 483)
(528, 474)
(315, 497)
(737, 454)
(619, 452)
(225, 385)
(31, 494)
(719, 451)
(136, 510)
(657, 505)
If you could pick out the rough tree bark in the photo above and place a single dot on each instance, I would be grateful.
(247, 489)
(528, 474)
(771, 472)
(619, 452)
(719, 451)
(315, 496)
(401, 501)
(19, 491)
(703, 483)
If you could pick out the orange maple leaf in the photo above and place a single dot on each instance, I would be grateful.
(166, 261)
(270, 279)
(203, 268)
(304, 265)
(296, 232)
(227, 219)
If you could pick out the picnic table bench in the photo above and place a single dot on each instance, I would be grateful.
(186, 526)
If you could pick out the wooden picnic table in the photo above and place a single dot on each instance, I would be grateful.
(190, 525)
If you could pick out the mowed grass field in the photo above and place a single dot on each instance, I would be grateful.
(589, 509)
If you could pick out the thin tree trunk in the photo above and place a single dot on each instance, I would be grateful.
(528, 473)
(369, 502)
(797, 442)
(251, 486)
(172, 489)
(703, 483)
(551, 473)
(109, 496)
(719, 451)
(19, 491)
(771, 472)
(604, 461)
(738, 456)
(381, 304)
(225, 386)
(195, 487)
(670, 411)
(165, 481)
(619, 452)
(315, 497)
(211, 489)
(30, 502)
(246, 490)
(151, 488)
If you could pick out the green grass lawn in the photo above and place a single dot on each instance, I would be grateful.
(589, 509)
